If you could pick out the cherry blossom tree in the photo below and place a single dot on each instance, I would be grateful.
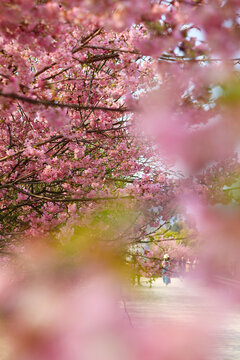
(67, 131)
(129, 100)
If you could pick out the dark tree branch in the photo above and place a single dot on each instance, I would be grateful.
(47, 103)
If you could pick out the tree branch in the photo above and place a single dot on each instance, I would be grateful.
(62, 105)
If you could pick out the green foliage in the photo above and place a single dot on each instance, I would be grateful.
(231, 93)
(102, 227)
(233, 190)
(178, 232)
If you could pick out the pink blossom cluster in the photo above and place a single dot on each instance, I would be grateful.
(67, 136)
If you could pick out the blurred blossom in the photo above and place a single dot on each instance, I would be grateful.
(185, 132)
(56, 306)
(218, 244)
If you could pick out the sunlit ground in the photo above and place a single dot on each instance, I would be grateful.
(183, 301)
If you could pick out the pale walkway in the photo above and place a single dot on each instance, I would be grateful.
(183, 301)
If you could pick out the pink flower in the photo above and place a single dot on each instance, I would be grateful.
(56, 118)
